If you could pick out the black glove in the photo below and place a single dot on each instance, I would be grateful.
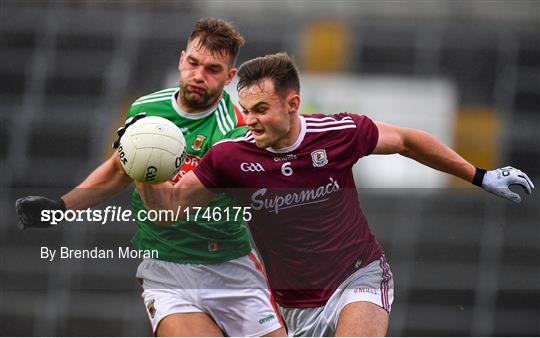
(122, 130)
(29, 210)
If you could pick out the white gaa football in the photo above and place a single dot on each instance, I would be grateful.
(152, 150)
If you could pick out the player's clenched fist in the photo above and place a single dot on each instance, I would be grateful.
(29, 209)
(498, 182)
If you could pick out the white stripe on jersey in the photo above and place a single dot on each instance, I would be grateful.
(221, 113)
(136, 103)
(329, 123)
(348, 126)
(163, 92)
(218, 120)
(144, 98)
(226, 118)
(327, 118)
(221, 117)
(231, 123)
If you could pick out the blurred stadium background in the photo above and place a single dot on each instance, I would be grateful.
(465, 263)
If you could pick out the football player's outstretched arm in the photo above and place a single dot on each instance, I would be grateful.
(426, 149)
(186, 194)
(104, 182)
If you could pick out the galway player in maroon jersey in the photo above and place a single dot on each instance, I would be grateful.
(327, 271)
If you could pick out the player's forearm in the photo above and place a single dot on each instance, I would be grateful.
(426, 149)
(158, 197)
(155, 196)
(104, 182)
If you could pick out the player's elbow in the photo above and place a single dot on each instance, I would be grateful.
(405, 145)
(414, 142)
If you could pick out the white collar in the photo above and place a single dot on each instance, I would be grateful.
(296, 144)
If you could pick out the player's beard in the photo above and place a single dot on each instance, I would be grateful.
(200, 100)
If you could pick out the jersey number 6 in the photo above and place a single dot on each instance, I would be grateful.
(286, 169)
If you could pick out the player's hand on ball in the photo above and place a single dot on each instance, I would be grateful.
(498, 182)
(122, 129)
(29, 210)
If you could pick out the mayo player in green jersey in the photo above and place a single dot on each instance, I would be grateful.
(206, 281)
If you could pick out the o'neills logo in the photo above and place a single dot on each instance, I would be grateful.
(291, 200)
(289, 157)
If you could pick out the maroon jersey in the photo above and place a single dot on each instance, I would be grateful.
(306, 219)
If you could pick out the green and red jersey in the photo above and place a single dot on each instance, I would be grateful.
(200, 241)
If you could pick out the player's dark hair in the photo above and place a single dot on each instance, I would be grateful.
(280, 68)
(219, 36)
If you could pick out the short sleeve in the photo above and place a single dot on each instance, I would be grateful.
(366, 135)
